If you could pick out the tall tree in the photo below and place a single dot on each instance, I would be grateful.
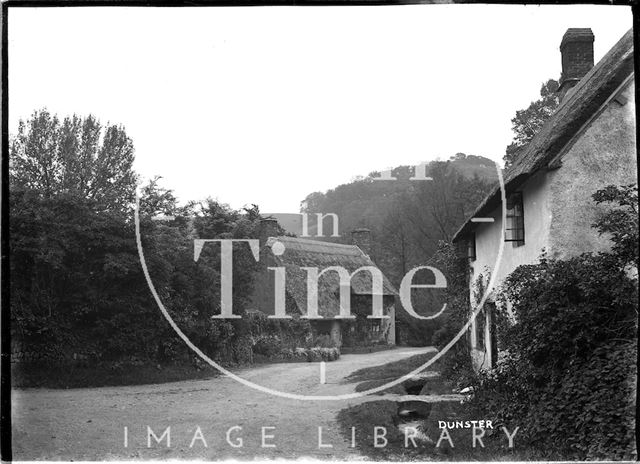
(526, 123)
(77, 155)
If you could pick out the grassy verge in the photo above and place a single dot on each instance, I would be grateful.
(392, 370)
(434, 386)
(364, 417)
(369, 384)
(376, 376)
(39, 375)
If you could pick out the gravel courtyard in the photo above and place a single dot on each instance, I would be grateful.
(89, 424)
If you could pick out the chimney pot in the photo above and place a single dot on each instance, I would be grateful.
(362, 239)
(576, 50)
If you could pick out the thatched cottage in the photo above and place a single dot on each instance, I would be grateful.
(587, 144)
(294, 254)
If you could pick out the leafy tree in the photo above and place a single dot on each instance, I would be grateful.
(527, 122)
(620, 221)
(77, 285)
(77, 155)
(408, 219)
(312, 202)
(157, 200)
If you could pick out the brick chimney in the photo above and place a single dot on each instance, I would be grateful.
(576, 49)
(268, 228)
(362, 239)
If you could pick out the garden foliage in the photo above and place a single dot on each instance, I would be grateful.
(567, 373)
(78, 292)
(456, 364)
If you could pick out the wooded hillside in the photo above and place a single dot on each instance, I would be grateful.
(408, 218)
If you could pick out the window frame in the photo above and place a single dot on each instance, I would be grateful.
(471, 248)
(514, 231)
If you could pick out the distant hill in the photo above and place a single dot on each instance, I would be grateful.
(470, 165)
(419, 213)
(407, 220)
(366, 196)
(467, 165)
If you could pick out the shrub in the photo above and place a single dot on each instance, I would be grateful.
(621, 222)
(268, 346)
(568, 370)
(455, 365)
(333, 354)
(322, 354)
(323, 341)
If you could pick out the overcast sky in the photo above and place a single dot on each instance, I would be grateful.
(268, 104)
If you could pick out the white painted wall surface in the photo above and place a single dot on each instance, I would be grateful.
(558, 207)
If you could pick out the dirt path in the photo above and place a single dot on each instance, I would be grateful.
(88, 424)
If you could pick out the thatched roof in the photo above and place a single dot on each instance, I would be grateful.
(580, 104)
(301, 253)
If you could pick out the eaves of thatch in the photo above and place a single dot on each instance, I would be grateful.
(575, 111)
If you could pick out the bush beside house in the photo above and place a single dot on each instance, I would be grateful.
(288, 340)
(567, 334)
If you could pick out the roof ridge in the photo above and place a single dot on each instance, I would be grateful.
(285, 238)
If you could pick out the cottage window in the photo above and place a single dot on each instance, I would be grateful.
(514, 230)
(471, 248)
